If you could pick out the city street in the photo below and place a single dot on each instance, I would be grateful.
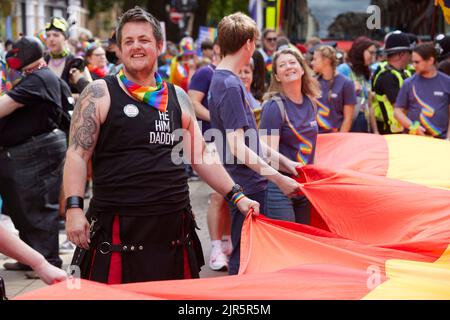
(17, 284)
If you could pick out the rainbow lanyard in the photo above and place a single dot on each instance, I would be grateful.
(426, 113)
(322, 116)
(306, 146)
(156, 97)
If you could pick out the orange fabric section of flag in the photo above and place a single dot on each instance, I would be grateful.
(367, 153)
(267, 247)
(380, 211)
(85, 290)
(421, 160)
(300, 283)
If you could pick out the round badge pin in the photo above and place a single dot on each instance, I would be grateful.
(131, 110)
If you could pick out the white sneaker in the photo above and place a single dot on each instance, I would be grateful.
(218, 260)
(227, 246)
(66, 247)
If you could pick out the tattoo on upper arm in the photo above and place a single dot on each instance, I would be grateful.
(84, 127)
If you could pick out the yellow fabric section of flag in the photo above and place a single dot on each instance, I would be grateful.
(421, 160)
(412, 280)
(445, 6)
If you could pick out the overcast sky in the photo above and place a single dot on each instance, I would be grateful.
(326, 10)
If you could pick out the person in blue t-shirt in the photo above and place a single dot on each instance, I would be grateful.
(337, 102)
(288, 124)
(218, 214)
(231, 115)
(423, 102)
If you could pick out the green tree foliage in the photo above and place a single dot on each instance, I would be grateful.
(220, 8)
(95, 6)
(209, 12)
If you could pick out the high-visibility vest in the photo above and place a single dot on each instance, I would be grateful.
(382, 107)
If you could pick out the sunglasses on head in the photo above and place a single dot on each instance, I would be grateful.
(56, 23)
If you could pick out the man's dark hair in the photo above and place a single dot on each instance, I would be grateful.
(426, 51)
(267, 31)
(137, 14)
(207, 44)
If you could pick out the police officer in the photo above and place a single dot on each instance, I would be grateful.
(442, 43)
(32, 151)
(388, 79)
(443, 47)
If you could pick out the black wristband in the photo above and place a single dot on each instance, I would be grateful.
(74, 202)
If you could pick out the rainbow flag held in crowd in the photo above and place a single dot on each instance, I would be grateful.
(205, 33)
(445, 6)
(383, 207)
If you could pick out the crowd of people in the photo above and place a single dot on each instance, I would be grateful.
(249, 108)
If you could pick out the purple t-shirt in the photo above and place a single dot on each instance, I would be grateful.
(230, 110)
(254, 104)
(330, 112)
(427, 100)
(200, 81)
(298, 132)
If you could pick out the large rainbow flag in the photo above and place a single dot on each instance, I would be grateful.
(383, 203)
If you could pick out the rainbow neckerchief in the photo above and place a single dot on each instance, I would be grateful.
(156, 97)
(322, 117)
(268, 64)
(426, 113)
(5, 84)
(306, 146)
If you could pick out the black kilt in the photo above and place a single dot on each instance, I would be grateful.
(152, 247)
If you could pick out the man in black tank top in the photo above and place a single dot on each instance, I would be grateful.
(139, 226)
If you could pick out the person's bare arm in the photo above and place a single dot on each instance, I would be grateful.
(348, 118)
(236, 141)
(205, 163)
(8, 105)
(90, 111)
(200, 111)
(13, 247)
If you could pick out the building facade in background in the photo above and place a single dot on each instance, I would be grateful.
(412, 16)
(29, 17)
(291, 17)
